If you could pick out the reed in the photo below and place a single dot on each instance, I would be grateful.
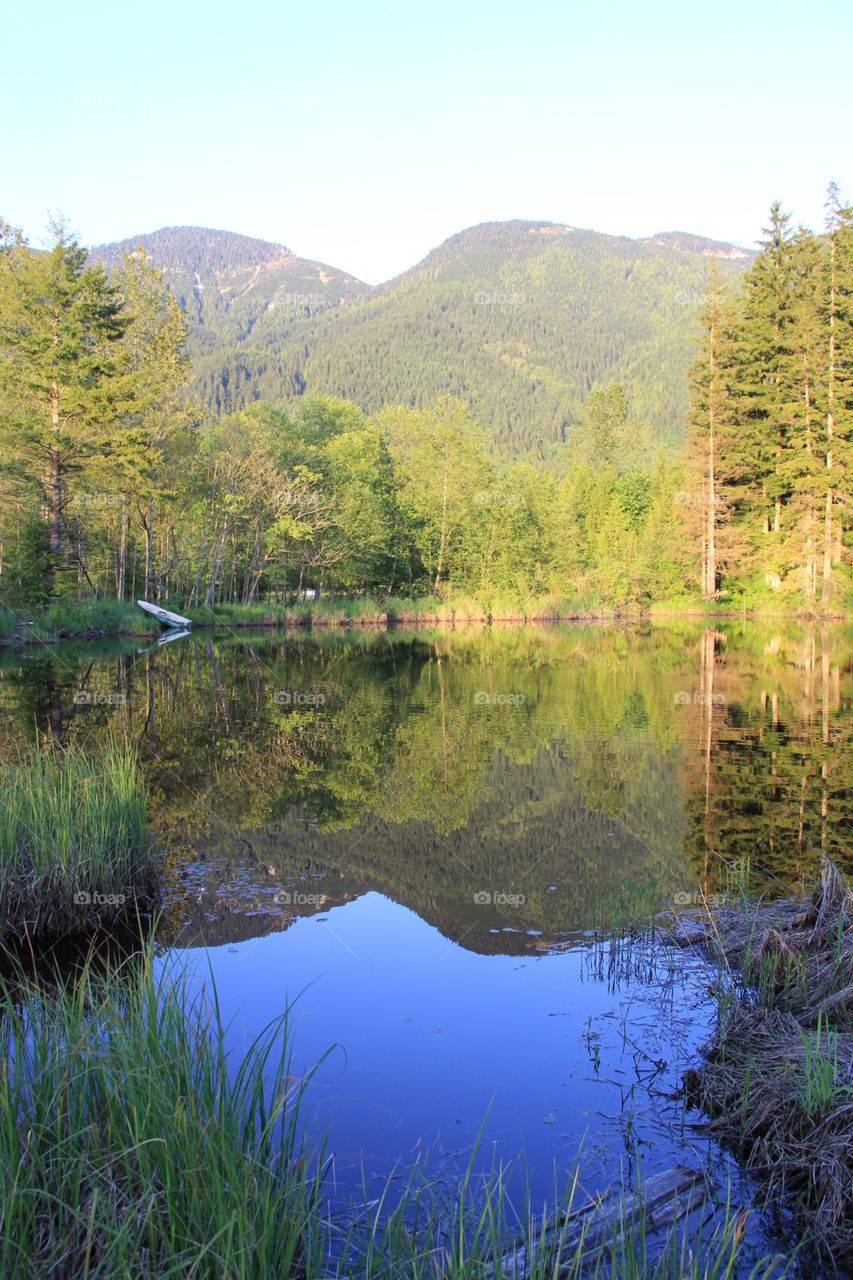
(75, 849)
(131, 1145)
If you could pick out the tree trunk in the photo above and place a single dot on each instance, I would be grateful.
(54, 495)
(122, 551)
(711, 519)
(149, 548)
(442, 545)
(826, 588)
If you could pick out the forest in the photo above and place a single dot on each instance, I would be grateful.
(116, 480)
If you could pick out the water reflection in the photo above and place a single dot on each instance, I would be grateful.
(497, 782)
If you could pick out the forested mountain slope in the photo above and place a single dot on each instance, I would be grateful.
(522, 319)
(519, 318)
(240, 295)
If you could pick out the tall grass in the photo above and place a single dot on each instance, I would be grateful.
(75, 850)
(130, 1145)
(243, 615)
(822, 1089)
(85, 617)
(113, 617)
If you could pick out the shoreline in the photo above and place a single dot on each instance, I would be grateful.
(330, 617)
(775, 1080)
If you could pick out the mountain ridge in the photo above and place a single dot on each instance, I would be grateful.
(520, 318)
(261, 251)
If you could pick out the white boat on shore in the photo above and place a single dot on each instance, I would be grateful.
(165, 616)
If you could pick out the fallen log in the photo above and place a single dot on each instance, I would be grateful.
(611, 1219)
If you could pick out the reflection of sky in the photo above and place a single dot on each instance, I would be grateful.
(431, 1037)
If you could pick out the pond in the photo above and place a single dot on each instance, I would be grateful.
(434, 845)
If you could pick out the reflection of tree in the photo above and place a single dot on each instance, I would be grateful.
(770, 787)
(755, 765)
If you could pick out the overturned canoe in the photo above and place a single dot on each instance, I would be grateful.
(165, 617)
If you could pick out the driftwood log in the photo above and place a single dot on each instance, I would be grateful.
(584, 1231)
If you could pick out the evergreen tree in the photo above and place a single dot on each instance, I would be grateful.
(60, 327)
(707, 505)
(768, 379)
(838, 418)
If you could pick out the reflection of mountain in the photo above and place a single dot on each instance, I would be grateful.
(216, 915)
(530, 844)
(626, 753)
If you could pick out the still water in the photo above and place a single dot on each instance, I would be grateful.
(430, 843)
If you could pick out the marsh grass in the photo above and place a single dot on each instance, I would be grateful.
(75, 849)
(631, 908)
(132, 1145)
(493, 606)
(777, 1079)
(69, 618)
(273, 616)
(822, 1088)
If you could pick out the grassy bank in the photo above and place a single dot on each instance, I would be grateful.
(98, 618)
(777, 1081)
(68, 618)
(75, 851)
(132, 1145)
(129, 1147)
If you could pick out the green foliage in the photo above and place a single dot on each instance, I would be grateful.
(453, 490)
(822, 1086)
(26, 572)
(91, 373)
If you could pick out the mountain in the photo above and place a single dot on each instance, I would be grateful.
(683, 240)
(520, 318)
(238, 293)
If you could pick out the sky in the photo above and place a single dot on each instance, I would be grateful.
(364, 133)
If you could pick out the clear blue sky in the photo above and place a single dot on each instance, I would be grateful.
(364, 133)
